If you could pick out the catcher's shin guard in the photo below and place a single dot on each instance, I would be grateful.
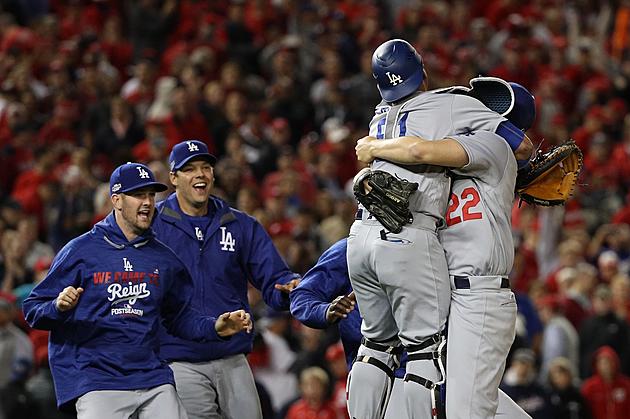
(371, 380)
(423, 379)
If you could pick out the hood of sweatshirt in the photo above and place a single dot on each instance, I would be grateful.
(112, 234)
(606, 351)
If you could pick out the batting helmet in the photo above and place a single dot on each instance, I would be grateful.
(397, 68)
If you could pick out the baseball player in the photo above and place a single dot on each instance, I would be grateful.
(479, 251)
(401, 280)
(103, 298)
(325, 297)
(224, 249)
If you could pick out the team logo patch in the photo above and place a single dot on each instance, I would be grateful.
(116, 187)
(142, 173)
(394, 79)
(192, 146)
(127, 266)
(227, 241)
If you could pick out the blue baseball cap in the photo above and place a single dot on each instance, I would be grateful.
(131, 176)
(183, 152)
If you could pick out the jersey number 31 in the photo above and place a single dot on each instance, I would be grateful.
(470, 199)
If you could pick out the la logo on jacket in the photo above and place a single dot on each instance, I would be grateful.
(127, 265)
(227, 241)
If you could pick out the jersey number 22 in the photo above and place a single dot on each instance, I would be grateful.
(470, 199)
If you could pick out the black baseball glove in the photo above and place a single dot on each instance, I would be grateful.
(386, 197)
(550, 177)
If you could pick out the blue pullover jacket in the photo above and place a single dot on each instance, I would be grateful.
(324, 282)
(109, 340)
(235, 249)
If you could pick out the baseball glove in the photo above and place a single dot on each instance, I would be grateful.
(551, 176)
(386, 198)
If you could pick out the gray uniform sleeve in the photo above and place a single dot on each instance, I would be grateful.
(469, 114)
(488, 156)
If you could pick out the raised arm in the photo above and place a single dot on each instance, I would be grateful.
(52, 301)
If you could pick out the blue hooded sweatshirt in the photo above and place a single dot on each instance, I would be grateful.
(324, 282)
(109, 340)
(225, 251)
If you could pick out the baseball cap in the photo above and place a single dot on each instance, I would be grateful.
(131, 176)
(186, 150)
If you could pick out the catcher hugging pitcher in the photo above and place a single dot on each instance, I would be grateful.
(413, 253)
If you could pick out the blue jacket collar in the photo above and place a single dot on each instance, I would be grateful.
(171, 210)
(114, 236)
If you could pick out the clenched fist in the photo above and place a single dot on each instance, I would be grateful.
(231, 323)
(68, 298)
(340, 307)
(363, 149)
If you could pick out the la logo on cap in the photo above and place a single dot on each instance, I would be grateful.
(143, 173)
(192, 146)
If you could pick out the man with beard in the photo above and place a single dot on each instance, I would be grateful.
(103, 298)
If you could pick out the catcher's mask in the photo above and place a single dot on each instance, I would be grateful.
(508, 99)
(398, 69)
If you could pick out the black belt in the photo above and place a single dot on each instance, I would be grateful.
(462, 282)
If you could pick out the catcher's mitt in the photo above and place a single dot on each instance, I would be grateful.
(551, 176)
(388, 198)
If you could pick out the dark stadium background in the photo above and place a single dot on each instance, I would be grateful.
(280, 90)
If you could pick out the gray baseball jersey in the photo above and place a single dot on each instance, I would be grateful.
(401, 280)
(430, 115)
(478, 237)
(478, 245)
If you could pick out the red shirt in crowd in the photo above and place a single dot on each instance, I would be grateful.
(622, 216)
(302, 410)
(608, 399)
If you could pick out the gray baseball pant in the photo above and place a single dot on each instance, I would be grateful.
(159, 402)
(481, 330)
(396, 407)
(219, 389)
(403, 293)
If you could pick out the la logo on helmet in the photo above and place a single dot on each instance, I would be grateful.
(394, 79)
(192, 146)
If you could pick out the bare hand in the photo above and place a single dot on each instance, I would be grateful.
(289, 286)
(231, 323)
(340, 307)
(68, 298)
(364, 149)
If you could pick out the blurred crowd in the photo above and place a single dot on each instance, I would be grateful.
(280, 90)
